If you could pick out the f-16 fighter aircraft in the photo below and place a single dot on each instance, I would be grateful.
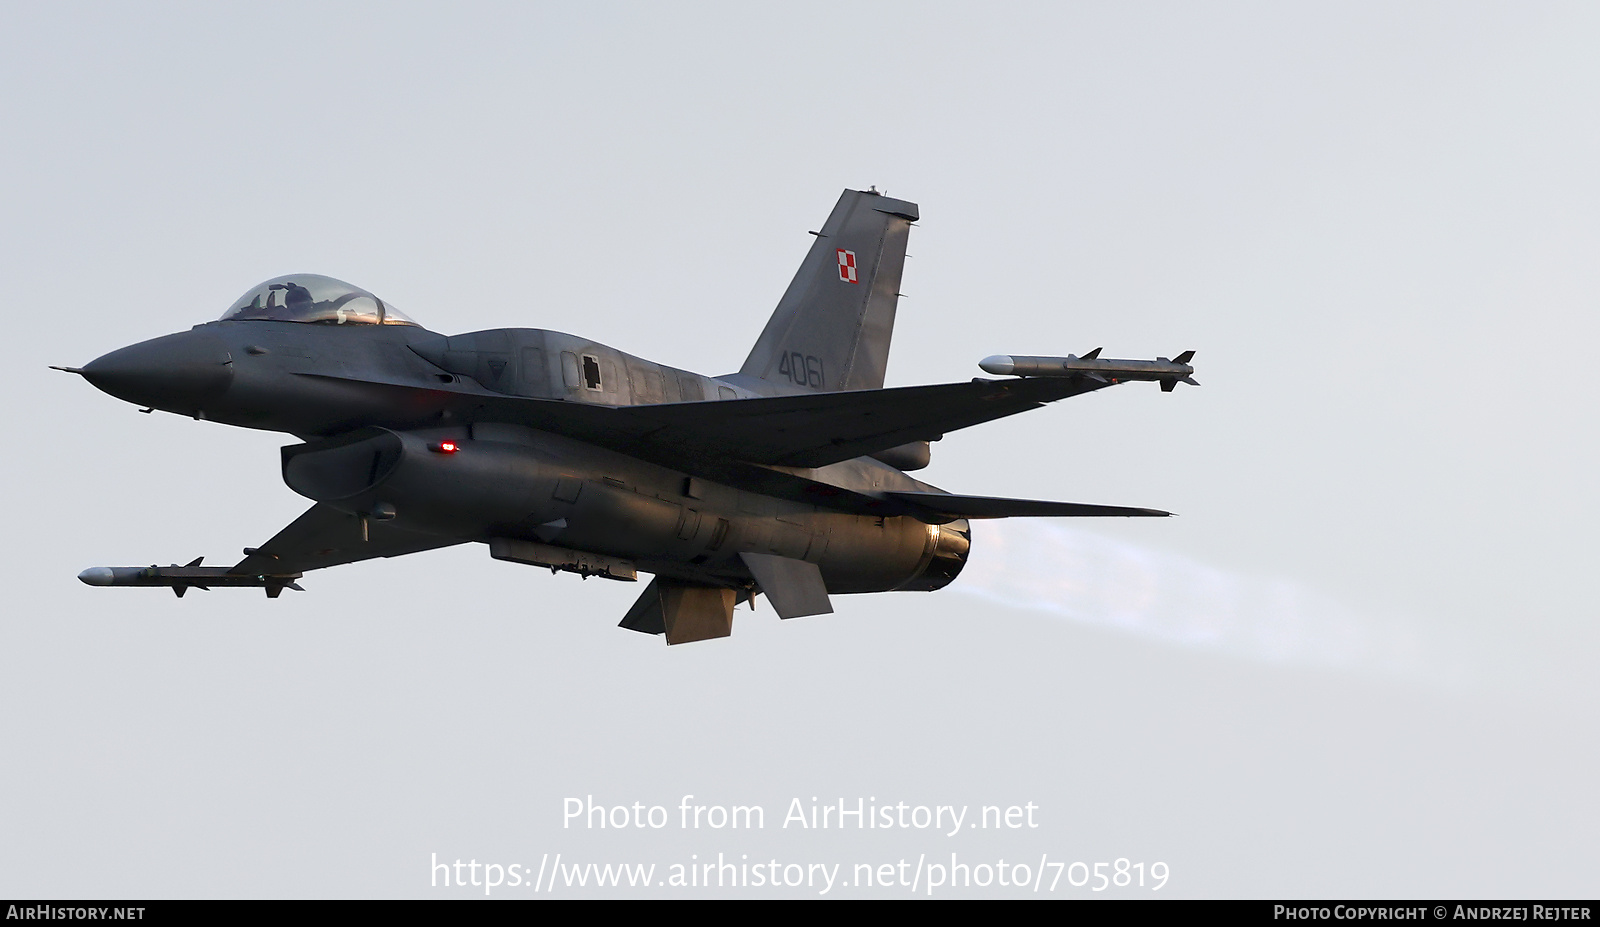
(787, 479)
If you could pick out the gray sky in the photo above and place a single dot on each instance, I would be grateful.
(1360, 663)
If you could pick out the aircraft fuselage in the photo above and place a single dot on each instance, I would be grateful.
(374, 403)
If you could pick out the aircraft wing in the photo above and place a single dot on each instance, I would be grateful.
(715, 437)
(818, 429)
(325, 537)
(810, 430)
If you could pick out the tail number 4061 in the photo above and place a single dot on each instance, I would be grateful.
(804, 369)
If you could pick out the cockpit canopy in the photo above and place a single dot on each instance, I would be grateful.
(314, 298)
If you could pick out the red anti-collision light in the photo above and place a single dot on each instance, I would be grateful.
(445, 447)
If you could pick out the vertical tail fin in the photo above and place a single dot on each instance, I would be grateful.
(832, 328)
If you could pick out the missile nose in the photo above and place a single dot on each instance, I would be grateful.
(178, 373)
(97, 576)
(1001, 364)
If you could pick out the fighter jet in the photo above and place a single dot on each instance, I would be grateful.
(788, 479)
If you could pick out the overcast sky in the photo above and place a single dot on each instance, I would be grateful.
(1360, 664)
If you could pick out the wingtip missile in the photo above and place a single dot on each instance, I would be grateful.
(1168, 372)
(181, 579)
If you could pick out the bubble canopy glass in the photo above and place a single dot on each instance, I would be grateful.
(314, 298)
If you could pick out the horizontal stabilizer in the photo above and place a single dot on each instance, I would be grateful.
(991, 507)
(794, 587)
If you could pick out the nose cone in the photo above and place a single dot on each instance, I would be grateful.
(177, 373)
(98, 576)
